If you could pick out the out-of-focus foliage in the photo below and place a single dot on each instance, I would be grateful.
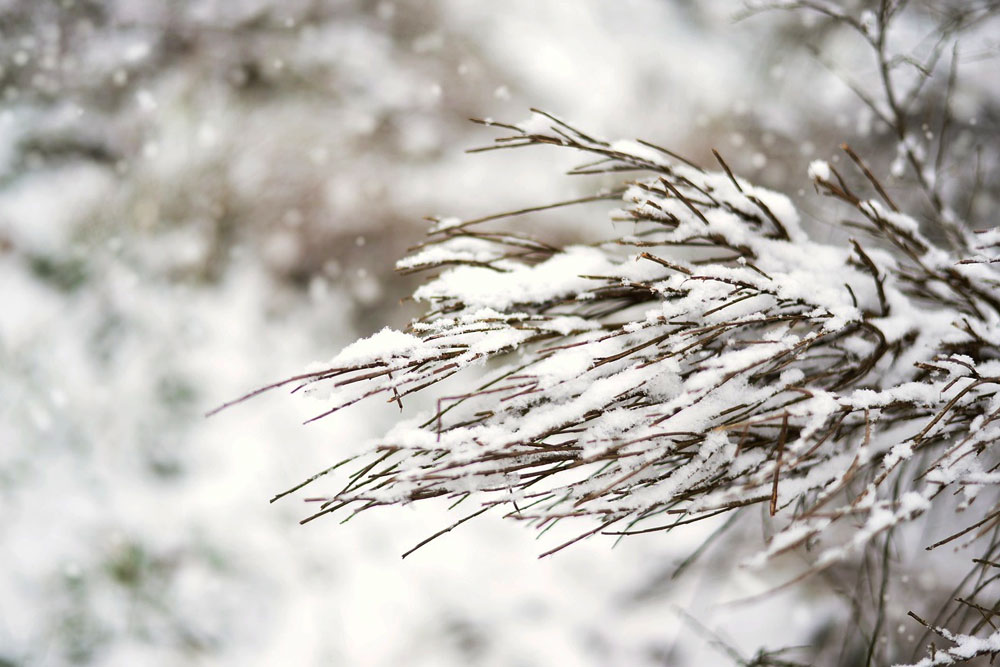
(273, 130)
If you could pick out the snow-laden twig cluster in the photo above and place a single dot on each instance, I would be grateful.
(711, 358)
(714, 357)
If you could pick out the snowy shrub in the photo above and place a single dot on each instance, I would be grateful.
(715, 355)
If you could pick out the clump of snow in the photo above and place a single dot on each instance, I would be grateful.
(564, 274)
(379, 347)
(819, 170)
(535, 124)
(446, 223)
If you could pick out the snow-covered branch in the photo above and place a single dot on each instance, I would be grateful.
(713, 357)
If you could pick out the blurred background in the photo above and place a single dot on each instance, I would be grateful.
(198, 198)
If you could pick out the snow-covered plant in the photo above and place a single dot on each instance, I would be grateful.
(711, 357)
